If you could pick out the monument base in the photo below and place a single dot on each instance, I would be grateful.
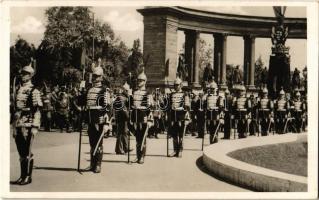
(278, 74)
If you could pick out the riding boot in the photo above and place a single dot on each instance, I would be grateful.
(98, 160)
(28, 170)
(22, 172)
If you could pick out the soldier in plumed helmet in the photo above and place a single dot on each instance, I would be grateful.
(281, 112)
(265, 112)
(228, 112)
(141, 116)
(98, 103)
(212, 106)
(298, 108)
(179, 105)
(241, 112)
(27, 123)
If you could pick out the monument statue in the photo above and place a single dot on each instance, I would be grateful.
(236, 76)
(296, 79)
(279, 62)
(181, 68)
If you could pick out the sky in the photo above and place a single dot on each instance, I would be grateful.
(127, 23)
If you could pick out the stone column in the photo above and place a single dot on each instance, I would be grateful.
(196, 60)
(249, 61)
(223, 60)
(220, 53)
(189, 49)
(217, 56)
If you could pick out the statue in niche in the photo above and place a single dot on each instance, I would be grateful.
(181, 68)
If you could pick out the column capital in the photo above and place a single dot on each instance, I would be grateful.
(249, 37)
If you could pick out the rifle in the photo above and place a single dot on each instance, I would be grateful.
(80, 139)
(167, 142)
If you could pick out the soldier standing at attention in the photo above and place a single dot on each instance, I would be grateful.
(27, 123)
(281, 115)
(228, 101)
(265, 111)
(141, 116)
(298, 110)
(212, 107)
(179, 104)
(47, 109)
(98, 110)
(241, 113)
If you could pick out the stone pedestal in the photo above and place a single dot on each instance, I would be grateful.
(279, 74)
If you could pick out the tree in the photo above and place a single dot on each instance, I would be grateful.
(68, 43)
(260, 72)
(20, 55)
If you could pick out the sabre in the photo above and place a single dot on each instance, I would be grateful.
(182, 139)
(101, 136)
(285, 127)
(30, 146)
(268, 127)
(216, 131)
(144, 137)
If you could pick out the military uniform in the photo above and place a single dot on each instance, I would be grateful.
(121, 108)
(47, 110)
(141, 116)
(98, 114)
(228, 110)
(281, 113)
(241, 113)
(298, 108)
(200, 115)
(179, 104)
(265, 112)
(213, 104)
(27, 123)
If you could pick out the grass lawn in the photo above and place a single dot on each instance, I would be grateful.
(286, 157)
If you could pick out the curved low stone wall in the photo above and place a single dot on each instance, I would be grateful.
(257, 178)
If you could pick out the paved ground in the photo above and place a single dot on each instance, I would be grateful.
(56, 162)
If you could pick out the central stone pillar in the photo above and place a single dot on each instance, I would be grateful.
(249, 61)
(220, 54)
(160, 47)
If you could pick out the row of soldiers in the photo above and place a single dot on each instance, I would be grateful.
(134, 112)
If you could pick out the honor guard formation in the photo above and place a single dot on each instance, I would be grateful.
(144, 113)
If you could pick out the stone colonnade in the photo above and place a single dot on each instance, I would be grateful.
(161, 25)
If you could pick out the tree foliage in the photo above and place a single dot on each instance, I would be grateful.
(260, 72)
(20, 55)
(74, 40)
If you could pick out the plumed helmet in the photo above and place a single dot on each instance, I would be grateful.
(265, 91)
(142, 75)
(212, 85)
(298, 94)
(242, 88)
(178, 81)
(28, 69)
(282, 92)
(98, 71)
(126, 86)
